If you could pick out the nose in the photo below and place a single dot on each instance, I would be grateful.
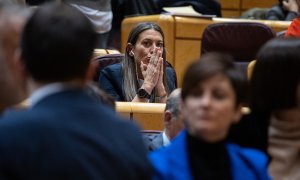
(206, 100)
(153, 47)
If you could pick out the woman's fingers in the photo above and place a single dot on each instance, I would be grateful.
(157, 53)
(143, 66)
(161, 70)
(154, 69)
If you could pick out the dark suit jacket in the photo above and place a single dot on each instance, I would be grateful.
(111, 80)
(278, 13)
(153, 141)
(68, 135)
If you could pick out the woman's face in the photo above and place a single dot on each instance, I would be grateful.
(147, 41)
(210, 109)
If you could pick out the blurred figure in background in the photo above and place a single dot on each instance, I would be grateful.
(173, 123)
(12, 19)
(100, 14)
(285, 10)
(275, 90)
(294, 28)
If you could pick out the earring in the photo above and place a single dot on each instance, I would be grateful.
(131, 53)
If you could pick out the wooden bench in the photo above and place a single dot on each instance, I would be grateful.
(183, 35)
(101, 52)
(148, 115)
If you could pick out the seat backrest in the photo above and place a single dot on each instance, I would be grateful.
(250, 68)
(242, 40)
(105, 60)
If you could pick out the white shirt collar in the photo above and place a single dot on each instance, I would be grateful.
(166, 140)
(47, 90)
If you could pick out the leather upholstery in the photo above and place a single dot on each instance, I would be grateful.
(242, 40)
(106, 60)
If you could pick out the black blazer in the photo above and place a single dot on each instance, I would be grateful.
(68, 135)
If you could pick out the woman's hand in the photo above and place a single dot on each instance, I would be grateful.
(160, 88)
(152, 71)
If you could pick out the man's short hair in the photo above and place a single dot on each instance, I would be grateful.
(57, 43)
(173, 102)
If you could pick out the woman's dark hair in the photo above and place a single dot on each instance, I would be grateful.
(276, 75)
(130, 80)
(212, 64)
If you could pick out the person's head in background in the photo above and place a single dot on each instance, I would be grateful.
(142, 41)
(173, 120)
(12, 20)
(290, 5)
(213, 93)
(57, 45)
(275, 82)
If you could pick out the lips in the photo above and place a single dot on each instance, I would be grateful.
(204, 117)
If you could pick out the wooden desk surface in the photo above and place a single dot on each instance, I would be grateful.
(188, 27)
(148, 115)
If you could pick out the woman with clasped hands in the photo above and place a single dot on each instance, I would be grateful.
(143, 75)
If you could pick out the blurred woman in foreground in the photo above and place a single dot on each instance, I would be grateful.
(212, 97)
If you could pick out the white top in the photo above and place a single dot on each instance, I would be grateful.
(101, 20)
(284, 148)
(166, 140)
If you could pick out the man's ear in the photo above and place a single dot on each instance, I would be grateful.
(20, 67)
(238, 114)
(167, 118)
(91, 71)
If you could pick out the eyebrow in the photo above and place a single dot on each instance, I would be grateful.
(147, 39)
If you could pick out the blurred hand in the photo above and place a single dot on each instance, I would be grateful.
(290, 5)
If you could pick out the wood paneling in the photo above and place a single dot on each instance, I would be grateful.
(187, 27)
(149, 121)
(186, 52)
(247, 4)
(230, 13)
(230, 4)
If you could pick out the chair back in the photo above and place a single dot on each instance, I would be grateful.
(242, 40)
(106, 60)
